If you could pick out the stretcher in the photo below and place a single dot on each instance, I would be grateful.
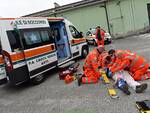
(143, 106)
(111, 91)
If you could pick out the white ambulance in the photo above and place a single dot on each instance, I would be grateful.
(30, 46)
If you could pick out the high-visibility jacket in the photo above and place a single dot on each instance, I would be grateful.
(102, 59)
(91, 67)
(135, 64)
(102, 33)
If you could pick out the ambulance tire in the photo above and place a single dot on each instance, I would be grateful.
(38, 79)
(85, 51)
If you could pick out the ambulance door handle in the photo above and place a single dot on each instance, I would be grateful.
(77, 47)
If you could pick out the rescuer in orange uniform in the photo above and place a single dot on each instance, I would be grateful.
(125, 60)
(100, 36)
(124, 77)
(92, 67)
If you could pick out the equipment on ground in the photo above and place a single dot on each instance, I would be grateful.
(143, 106)
(69, 79)
(68, 71)
(112, 92)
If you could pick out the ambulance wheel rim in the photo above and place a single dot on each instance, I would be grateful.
(39, 78)
(85, 52)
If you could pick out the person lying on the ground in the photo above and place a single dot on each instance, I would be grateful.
(123, 79)
(136, 65)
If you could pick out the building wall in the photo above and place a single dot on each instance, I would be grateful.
(147, 1)
(127, 15)
(124, 16)
(87, 17)
(140, 13)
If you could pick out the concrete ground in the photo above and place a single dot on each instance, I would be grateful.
(54, 96)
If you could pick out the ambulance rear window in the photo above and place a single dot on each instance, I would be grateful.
(0, 48)
(36, 37)
(14, 40)
(32, 37)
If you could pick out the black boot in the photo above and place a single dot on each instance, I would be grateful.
(141, 88)
(125, 89)
(122, 85)
(79, 81)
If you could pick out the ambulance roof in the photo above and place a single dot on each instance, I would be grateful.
(48, 18)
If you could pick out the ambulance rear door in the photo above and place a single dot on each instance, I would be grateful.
(3, 77)
(39, 48)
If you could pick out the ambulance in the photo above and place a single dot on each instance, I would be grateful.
(31, 46)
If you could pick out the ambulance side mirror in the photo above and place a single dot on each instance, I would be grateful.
(81, 34)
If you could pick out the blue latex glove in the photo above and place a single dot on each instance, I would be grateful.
(101, 78)
(109, 74)
(106, 69)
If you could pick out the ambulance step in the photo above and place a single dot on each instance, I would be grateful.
(67, 64)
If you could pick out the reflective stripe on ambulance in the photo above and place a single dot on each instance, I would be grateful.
(35, 58)
(2, 68)
(77, 41)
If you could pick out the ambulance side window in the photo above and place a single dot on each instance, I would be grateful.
(44, 36)
(36, 37)
(57, 34)
(75, 33)
(47, 36)
(32, 37)
(0, 48)
(14, 40)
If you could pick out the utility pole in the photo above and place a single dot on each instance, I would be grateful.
(107, 19)
(55, 7)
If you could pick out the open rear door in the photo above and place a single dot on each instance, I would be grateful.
(61, 41)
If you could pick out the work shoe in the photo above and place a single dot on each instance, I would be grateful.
(125, 89)
(79, 81)
(141, 88)
(122, 85)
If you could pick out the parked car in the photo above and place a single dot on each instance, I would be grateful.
(91, 39)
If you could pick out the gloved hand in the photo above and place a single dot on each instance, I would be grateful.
(106, 69)
(109, 74)
(101, 78)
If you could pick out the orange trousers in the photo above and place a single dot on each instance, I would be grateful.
(90, 77)
(100, 42)
(141, 73)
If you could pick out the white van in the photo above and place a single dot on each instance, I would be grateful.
(31, 46)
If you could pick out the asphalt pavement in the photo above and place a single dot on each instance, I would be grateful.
(54, 96)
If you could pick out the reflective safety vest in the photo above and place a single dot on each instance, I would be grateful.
(102, 59)
(124, 59)
(133, 63)
(91, 65)
(100, 35)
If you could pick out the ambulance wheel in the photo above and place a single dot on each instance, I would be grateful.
(38, 79)
(85, 51)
